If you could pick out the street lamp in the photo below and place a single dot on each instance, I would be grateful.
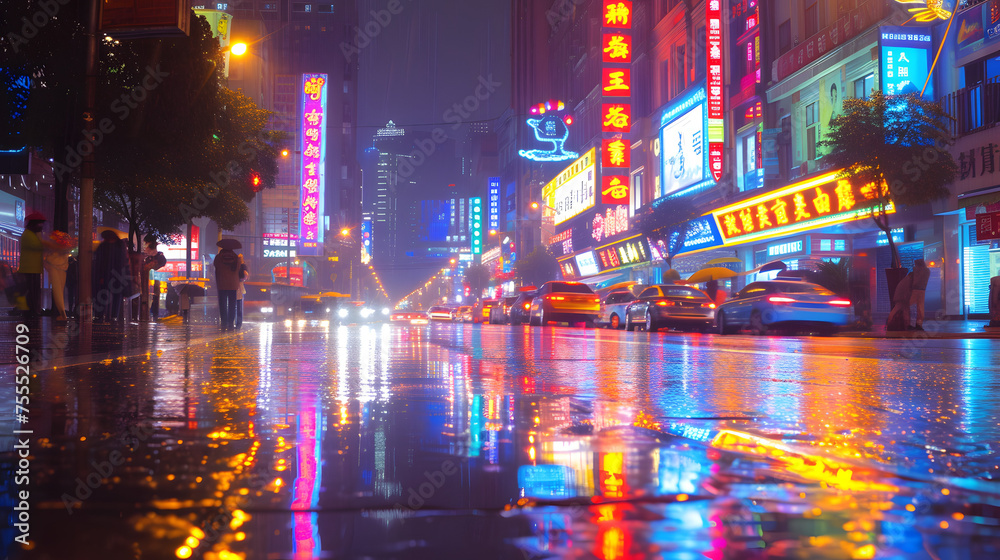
(238, 49)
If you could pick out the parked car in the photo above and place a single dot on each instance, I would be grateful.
(481, 310)
(764, 305)
(520, 308)
(500, 314)
(669, 305)
(439, 313)
(565, 301)
(464, 314)
(613, 308)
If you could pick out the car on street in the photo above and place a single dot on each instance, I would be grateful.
(464, 314)
(411, 317)
(520, 308)
(763, 306)
(439, 313)
(482, 309)
(563, 301)
(356, 312)
(500, 314)
(670, 305)
(613, 307)
(257, 304)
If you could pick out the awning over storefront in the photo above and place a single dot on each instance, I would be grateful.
(981, 197)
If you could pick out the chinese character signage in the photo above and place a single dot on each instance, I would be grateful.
(987, 226)
(814, 203)
(684, 145)
(615, 152)
(613, 222)
(313, 163)
(574, 189)
(614, 189)
(977, 27)
(616, 117)
(618, 13)
(617, 48)
(616, 82)
(627, 252)
(716, 125)
(494, 203)
(906, 60)
(616, 111)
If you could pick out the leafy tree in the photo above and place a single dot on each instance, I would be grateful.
(668, 220)
(897, 141)
(477, 277)
(835, 276)
(537, 267)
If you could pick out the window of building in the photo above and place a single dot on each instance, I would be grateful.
(324, 8)
(811, 120)
(636, 193)
(863, 86)
(812, 20)
(300, 7)
(680, 62)
(269, 6)
(785, 37)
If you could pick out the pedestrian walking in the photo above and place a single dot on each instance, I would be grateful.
(110, 276)
(30, 266)
(56, 264)
(244, 273)
(153, 260)
(921, 275)
(227, 280)
(901, 304)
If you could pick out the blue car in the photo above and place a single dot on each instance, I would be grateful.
(763, 306)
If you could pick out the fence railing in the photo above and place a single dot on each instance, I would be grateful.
(974, 108)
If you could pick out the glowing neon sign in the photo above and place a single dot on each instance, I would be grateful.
(929, 10)
(716, 125)
(313, 163)
(550, 128)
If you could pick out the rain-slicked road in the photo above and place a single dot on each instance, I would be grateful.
(301, 440)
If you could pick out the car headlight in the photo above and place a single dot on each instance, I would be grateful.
(266, 309)
(366, 312)
(342, 313)
(385, 310)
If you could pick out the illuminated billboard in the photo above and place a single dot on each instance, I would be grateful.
(366, 241)
(574, 189)
(684, 145)
(494, 204)
(817, 202)
(906, 60)
(313, 178)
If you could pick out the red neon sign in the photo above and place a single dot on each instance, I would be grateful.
(616, 82)
(617, 47)
(616, 117)
(614, 189)
(615, 152)
(713, 13)
(617, 13)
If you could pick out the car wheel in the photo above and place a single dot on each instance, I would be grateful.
(650, 325)
(721, 324)
(757, 325)
(615, 322)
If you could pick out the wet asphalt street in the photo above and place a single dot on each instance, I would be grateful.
(305, 440)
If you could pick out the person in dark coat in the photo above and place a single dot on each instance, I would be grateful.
(72, 286)
(227, 281)
(110, 277)
(901, 304)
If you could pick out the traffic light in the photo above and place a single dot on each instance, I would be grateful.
(477, 225)
(255, 181)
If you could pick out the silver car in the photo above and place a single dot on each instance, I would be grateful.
(613, 308)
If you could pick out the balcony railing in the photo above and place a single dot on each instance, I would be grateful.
(974, 108)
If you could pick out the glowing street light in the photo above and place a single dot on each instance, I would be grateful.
(238, 49)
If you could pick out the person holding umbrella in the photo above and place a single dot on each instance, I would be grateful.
(227, 278)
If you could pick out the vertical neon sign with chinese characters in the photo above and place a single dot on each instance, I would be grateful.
(716, 125)
(313, 163)
(494, 204)
(616, 111)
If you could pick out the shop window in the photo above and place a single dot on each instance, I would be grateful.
(785, 36)
(863, 86)
(812, 20)
(825, 245)
(811, 120)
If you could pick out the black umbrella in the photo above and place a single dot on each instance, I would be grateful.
(229, 244)
(772, 266)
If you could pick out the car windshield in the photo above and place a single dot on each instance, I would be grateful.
(682, 291)
(257, 294)
(572, 288)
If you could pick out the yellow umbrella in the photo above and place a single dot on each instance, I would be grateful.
(711, 273)
(724, 260)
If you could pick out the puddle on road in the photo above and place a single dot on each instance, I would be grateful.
(371, 442)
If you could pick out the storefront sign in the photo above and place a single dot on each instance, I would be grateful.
(785, 248)
(616, 117)
(176, 250)
(684, 145)
(616, 82)
(586, 264)
(983, 160)
(615, 152)
(906, 60)
(614, 221)
(816, 202)
(630, 251)
(614, 189)
(494, 203)
(568, 270)
(618, 13)
(987, 226)
(702, 233)
(844, 29)
(977, 27)
(280, 274)
(278, 253)
(716, 125)
(617, 48)
(574, 190)
(491, 255)
(313, 178)
(366, 241)
(898, 236)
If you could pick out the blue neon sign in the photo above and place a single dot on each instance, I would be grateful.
(553, 130)
(494, 203)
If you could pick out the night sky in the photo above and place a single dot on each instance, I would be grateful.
(429, 57)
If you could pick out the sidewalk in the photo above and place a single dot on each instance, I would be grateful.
(55, 345)
(943, 329)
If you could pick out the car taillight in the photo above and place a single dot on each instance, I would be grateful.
(527, 306)
(840, 303)
(597, 300)
(780, 299)
(666, 303)
(709, 305)
(557, 298)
